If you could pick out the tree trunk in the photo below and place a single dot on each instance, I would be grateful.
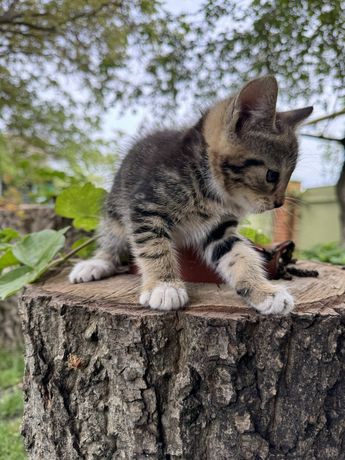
(340, 188)
(107, 379)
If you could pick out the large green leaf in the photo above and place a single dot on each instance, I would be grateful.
(36, 250)
(83, 204)
(14, 280)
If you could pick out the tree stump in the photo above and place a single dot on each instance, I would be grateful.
(108, 379)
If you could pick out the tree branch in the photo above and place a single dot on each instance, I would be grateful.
(31, 26)
(325, 117)
(12, 32)
(8, 18)
(324, 138)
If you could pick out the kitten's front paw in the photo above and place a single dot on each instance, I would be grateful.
(165, 296)
(277, 302)
(93, 269)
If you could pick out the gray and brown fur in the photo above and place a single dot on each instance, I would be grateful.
(190, 187)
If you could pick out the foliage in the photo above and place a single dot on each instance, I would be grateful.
(82, 204)
(61, 63)
(255, 235)
(29, 169)
(329, 252)
(300, 42)
(7, 235)
(52, 47)
(11, 404)
(30, 256)
(93, 40)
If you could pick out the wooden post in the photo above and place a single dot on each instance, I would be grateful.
(108, 379)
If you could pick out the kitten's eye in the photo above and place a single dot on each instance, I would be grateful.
(272, 176)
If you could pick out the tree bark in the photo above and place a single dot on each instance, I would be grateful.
(108, 379)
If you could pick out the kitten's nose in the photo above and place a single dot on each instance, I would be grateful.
(278, 203)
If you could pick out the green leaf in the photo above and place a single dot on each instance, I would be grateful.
(256, 236)
(36, 250)
(8, 234)
(13, 281)
(86, 223)
(8, 259)
(83, 204)
(64, 230)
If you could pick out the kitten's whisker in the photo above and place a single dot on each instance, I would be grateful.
(294, 200)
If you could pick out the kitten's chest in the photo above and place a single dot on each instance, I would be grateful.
(197, 223)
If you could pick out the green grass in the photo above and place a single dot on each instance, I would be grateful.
(11, 405)
(11, 368)
(11, 444)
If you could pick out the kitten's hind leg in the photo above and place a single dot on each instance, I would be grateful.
(106, 262)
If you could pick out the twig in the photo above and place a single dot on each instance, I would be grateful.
(325, 117)
(67, 256)
(324, 138)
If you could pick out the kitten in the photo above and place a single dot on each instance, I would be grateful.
(191, 188)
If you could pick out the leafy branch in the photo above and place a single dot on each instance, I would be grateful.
(24, 259)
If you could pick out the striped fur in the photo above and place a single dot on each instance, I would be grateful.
(191, 188)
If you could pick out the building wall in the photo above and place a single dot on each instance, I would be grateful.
(318, 217)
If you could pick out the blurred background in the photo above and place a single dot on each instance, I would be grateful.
(79, 79)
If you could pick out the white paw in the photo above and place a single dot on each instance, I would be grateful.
(165, 296)
(280, 302)
(92, 270)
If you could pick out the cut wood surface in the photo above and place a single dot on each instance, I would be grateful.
(109, 379)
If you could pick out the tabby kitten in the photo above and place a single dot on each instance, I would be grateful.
(191, 188)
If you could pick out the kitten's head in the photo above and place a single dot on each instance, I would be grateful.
(252, 148)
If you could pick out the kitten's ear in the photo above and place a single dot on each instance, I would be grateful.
(256, 100)
(294, 117)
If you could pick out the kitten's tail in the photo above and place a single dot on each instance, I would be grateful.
(113, 245)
